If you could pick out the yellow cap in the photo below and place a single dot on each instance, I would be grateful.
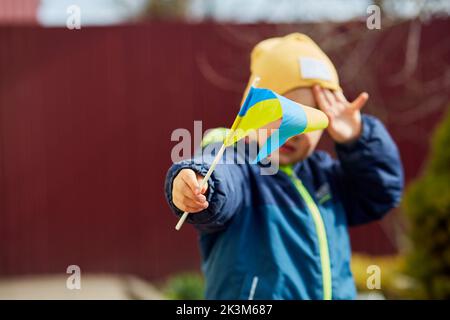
(293, 61)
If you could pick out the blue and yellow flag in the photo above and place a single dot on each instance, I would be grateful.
(263, 107)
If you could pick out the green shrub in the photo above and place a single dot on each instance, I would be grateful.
(427, 207)
(185, 286)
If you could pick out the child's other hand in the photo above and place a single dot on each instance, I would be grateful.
(186, 194)
(345, 117)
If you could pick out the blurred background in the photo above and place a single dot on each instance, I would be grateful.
(90, 92)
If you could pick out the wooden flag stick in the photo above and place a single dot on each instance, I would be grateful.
(214, 163)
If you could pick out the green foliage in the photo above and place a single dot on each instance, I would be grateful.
(185, 286)
(427, 206)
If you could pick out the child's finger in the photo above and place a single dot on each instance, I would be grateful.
(190, 178)
(188, 193)
(193, 204)
(197, 198)
(360, 101)
(186, 204)
(329, 97)
(189, 209)
(335, 107)
(340, 97)
(205, 187)
(186, 190)
(320, 98)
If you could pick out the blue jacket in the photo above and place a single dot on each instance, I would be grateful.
(285, 236)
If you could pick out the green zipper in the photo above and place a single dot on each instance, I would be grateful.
(320, 229)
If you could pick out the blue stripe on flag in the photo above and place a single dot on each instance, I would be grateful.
(254, 96)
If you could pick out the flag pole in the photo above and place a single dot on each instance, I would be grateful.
(213, 164)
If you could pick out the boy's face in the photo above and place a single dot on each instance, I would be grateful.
(299, 147)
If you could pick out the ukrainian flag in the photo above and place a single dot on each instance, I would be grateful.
(263, 108)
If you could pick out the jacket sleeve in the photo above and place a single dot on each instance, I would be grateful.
(225, 193)
(369, 173)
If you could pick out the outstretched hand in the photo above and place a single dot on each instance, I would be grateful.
(186, 193)
(344, 117)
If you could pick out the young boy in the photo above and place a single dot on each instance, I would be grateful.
(284, 236)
